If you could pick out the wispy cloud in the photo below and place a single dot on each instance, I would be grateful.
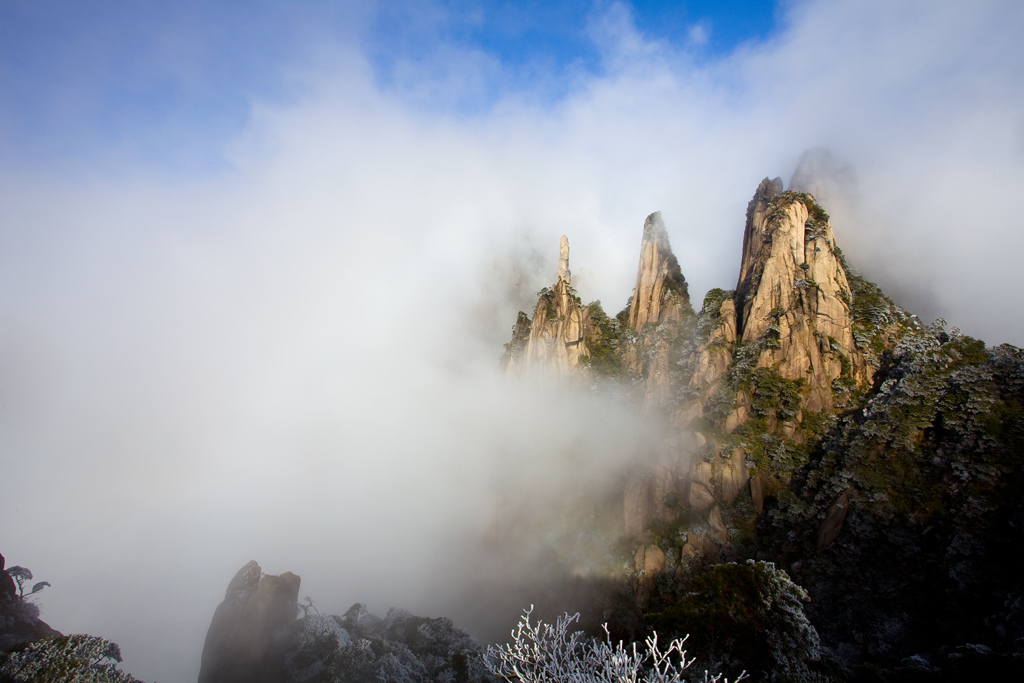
(294, 360)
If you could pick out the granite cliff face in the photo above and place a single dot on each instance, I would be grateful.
(793, 296)
(555, 339)
(811, 422)
(659, 315)
(658, 311)
(661, 294)
(746, 381)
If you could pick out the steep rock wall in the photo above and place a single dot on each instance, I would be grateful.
(793, 298)
(242, 645)
(658, 310)
(749, 385)
(556, 337)
(661, 294)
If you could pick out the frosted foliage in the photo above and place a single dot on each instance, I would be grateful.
(69, 659)
(794, 632)
(319, 627)
(551, 653)
(402, 648)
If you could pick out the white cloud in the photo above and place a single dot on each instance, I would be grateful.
(295, 364)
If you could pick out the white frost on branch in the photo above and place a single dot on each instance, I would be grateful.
(551, 653)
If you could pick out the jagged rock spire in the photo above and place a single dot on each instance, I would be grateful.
(659, 279)
(555, 339)
(240, 644)
(753, 232)
(563, 260)
(660, 303)
(793, 298)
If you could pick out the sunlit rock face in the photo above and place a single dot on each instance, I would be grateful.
(661, 294)
(710, 361)
(793, 297)
(658, 311)
(659, 306)
(242, 643)
(556, 338)
(761, 365)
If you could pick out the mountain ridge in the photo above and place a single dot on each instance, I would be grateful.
(814, 421)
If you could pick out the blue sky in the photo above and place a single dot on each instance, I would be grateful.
(103, 83)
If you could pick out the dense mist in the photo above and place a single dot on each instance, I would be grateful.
(297, 360)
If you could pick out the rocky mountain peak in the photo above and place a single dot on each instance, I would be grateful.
(793, 298)
(563, 260)
(766, 191)
(242, 641)
(657, 309)
(661, 292)
(555, 338)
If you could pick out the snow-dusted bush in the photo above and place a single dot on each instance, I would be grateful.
(69, 659)
(551, 653)
(750, 616)
(362, 648)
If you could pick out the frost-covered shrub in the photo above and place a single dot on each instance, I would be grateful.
(747, 615)
(551, 653)
(929, 468)
(68, 659)
(401, 647)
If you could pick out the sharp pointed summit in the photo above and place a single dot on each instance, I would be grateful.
(661, 292)
(555, 338)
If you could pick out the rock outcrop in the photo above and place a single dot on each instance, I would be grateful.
(661, 294)
(793, 298)
(360, 646)
(810, 421)
(746, 384)
(19, 618)
(242, 644)
(555, 340)
(778, 348)
(658, 309)
(256, 636)
(7, 587)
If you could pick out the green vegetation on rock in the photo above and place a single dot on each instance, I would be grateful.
(603, 342)
(748, 617)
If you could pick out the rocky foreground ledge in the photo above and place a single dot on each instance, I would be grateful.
(257, 636)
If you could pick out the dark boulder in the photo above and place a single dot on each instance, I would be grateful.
(243, 643)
